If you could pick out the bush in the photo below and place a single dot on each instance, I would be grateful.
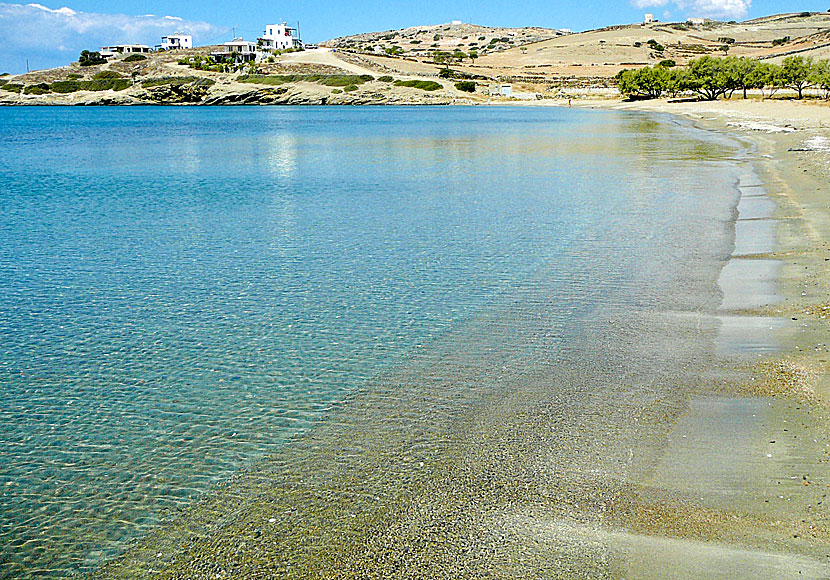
(336, 91)
(135, 58)
(349, 88)
(417, 84)
(88, 58)
(107, 74)
(38, 89)
(655, 46)
(177, 82)
(780, 41)
(3, 82)
(385, 79)
(66, 86)
(74, 76)
(12, 87)
(668, 63)
(466, 86)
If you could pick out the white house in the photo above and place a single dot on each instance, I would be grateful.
(243, 49)
(279, 37)
(648, 18)
(111, 51)
(696, 21)
(178, 40)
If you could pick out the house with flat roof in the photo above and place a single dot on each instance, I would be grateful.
(279, 37)
(241, 50)
(178, 40)
(115, 50)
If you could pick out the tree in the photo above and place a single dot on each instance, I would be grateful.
(740, 72)
(820, 76)
(707, 77)
(647, 82)
(473, 56)
(795, 72)
(440, 57)
(88, 58)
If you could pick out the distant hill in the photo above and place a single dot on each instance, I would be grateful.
(542, 55)
(423, 40)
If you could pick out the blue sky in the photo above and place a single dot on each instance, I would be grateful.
(52, 33)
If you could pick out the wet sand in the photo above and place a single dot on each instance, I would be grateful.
(688, 442)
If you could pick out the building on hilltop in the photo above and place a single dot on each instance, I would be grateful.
(279, 37)
(174, 41)
(648, 19)
(696, 21)
(113, 51)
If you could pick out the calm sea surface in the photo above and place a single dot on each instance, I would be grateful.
(183, 290)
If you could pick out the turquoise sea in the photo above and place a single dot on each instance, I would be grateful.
(183, 291)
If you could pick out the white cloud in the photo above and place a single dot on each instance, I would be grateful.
(718, 9)
(46, 35)
(648, 3)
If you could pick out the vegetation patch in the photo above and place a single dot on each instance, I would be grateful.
(711, 78)
(177, 82)
(349, 88)
(107, 74)
(135, 58)
(385, 79)
(419, 84)
(466, 86)
(3, 82)
(12, 87)
(88, 58)
(780, 41)
(38, 89)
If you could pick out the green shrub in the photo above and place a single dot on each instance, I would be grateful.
(668, 63)
(74, 76)
(418, 84)
(135, 58)
(655, 46)
(66, 86)
(107, 74)
(349, 88)
(12, 87)
(385, 79)
(3, 82)
(177, 82)
(88, 58)
(336, 91)
(780, 41)
(466, 86)
(38, 89)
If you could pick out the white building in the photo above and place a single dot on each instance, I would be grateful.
(178, 40)
(696, 21)
(111, 51)
(279, 37)
(648, 18)
(243, 50)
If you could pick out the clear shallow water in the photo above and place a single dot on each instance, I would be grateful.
(184, 290)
